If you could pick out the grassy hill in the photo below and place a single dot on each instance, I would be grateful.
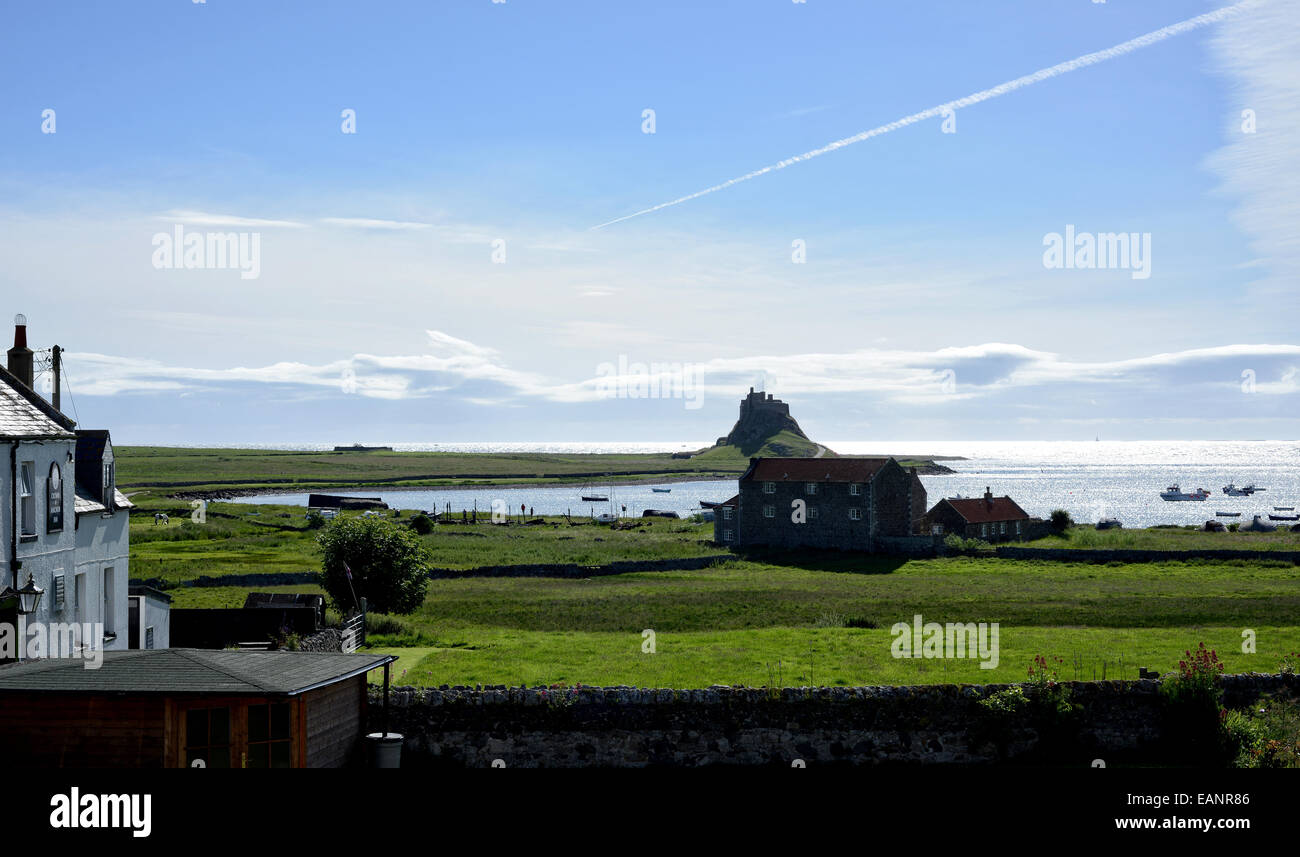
(784, 444)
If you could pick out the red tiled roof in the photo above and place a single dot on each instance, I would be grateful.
(734, 501)
(977, 510)
(815, 469)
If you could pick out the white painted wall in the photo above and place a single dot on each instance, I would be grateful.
(87, 546)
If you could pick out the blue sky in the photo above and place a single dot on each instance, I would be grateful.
(923, 309)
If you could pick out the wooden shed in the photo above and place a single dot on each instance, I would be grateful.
(187, 708)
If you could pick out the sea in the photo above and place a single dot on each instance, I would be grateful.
(1091, 480)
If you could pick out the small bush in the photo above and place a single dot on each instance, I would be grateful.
(955, 544)
(1061, 520)
(315, 520)
(421, 524)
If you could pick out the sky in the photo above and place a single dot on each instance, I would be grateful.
(430, 199)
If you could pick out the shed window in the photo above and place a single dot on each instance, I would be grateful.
(207, 737)
(769, 511)
(855, 489)
(54, 500)
(855, 514)
(769, 487)
(811, 488)
(812, 513)
(148, 637)
(726, 536)
(726, 513)
(60, 591)
(1017, 528)
(268, 736)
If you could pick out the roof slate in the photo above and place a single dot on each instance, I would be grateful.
(23, 413)
(977, 510)
(815, 469)
(185, 671)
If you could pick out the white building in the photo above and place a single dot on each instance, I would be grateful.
(63, 523)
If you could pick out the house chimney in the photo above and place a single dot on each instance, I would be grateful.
(20, 356)
(988, 495)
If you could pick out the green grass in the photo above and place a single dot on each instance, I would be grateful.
(209, 470)
(1171, 538)
(757, 618)
(803, 656)
(209, 597)
(243, 538)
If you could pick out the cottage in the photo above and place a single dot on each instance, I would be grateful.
(168, 708)
(63, 523)
(992, 519)
(841, 503)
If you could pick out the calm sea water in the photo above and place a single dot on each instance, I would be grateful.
(1120, 479)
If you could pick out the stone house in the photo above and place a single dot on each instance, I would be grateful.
(840, 503)
(989, 518)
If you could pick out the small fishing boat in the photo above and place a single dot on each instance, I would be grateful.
(1284, 508)
(1227, 514)
(1233, 491)
(709, 504)
(1284, 517)
(661, 490)
(1174, 493)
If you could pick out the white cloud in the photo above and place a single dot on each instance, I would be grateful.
(371, 223)
(204, 218)
(899, 376)
(1260, 53)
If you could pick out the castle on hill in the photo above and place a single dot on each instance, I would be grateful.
(761, 418)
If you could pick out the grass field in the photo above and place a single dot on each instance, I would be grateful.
(757, 618)
(1170, 538)
(795, 657)
(214, 470)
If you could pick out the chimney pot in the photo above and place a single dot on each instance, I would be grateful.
(20, 356)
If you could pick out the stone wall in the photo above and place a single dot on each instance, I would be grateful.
(1120, 721)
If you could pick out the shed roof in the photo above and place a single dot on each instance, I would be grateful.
(814, 469)
(189, 671)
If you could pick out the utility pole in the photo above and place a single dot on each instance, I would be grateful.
(56, 366)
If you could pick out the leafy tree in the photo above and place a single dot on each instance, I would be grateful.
(390, 565)
(1061, 520)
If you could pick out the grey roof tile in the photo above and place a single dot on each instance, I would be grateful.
(186, 671)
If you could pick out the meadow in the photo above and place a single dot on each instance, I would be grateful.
(753, 618)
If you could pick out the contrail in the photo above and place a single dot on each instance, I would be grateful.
(984, 95)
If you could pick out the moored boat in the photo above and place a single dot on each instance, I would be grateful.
(661, 490)
(1174, 493)
(1227, 514)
